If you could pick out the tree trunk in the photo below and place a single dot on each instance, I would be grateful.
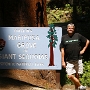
(26, 13)
(23, 13)
(74, 12)
(51, 53)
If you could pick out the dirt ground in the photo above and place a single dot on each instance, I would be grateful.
(71, 87)
(27, 87)
(10, 84)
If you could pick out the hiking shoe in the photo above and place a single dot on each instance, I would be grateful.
(82, 87)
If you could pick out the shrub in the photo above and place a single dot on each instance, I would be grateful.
(58, 15)
(85, 77)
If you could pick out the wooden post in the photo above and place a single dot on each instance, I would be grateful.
(58, 85)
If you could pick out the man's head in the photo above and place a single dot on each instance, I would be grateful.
(70, 28)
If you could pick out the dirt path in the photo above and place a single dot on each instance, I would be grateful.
(71, 87)
(10, 84)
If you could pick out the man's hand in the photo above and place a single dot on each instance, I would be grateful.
(85, 47)
(82, 52)
(63, 64)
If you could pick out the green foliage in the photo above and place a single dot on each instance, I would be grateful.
(59, 11)
(58, 15)
(85, 77)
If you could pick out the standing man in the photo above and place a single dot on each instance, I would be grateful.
(71, 54)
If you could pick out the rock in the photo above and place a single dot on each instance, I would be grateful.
(40, 78)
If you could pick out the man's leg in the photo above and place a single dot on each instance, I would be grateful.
(74, 80)
(77, 76)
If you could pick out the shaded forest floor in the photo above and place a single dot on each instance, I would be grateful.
(11, 84)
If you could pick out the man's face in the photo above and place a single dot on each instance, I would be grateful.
(70, 29)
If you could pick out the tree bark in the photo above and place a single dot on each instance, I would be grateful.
(23, 13)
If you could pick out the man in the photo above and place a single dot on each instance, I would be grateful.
(71, 54)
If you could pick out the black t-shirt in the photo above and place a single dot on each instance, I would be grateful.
(72, 45)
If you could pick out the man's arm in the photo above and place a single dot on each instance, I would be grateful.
(85, 47)
(62, 57)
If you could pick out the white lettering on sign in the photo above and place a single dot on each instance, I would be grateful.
(21, 64)
(23, 37)
(26, 45)
(23, 30)
(33, 56)
(7, 56)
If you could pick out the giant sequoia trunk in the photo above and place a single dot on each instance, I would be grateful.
(23, 13)
(26, 13)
